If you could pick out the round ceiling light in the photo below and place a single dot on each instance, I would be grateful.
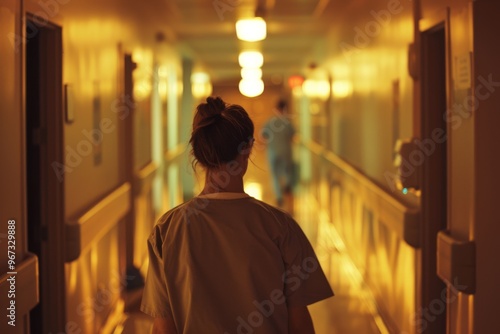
(251, 88)
(251, 30)
(251, 59)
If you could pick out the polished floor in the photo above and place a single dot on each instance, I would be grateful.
(351, 310)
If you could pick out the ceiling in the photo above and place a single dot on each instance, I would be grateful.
(296, 31)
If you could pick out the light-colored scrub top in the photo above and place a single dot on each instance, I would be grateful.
(278, 133)
(228, 263)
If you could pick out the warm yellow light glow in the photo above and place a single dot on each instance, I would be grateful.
(163, 89)
(200, 85)
(341, 71)
(251, 73)
(200, 77)
(251, 30)
(316, 88)
(254, 189)
(297, 91)
(143, 79)
(163, 72)
(251, 59)
(341, 89)
(142, 89)
(251, 88)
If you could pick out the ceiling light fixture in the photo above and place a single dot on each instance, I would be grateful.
(252, 59)
(251, 87)
(252, 29)
(251, 73)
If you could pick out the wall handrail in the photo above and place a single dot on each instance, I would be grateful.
(144, 177)
(399, 216)
(93, 224)
(175, 152)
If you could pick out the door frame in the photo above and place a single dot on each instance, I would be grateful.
(51, 140)
(428, 285)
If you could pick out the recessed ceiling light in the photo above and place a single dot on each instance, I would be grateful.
(251, 30)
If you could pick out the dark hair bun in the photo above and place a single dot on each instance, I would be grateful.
(215, 105)
(209, 112)
(219, 130)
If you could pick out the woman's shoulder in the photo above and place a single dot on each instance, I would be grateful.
(262, 206)
(175, 212)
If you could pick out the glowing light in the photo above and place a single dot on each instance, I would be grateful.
(163, 72)
(341, 89)
(198, 77)
(251, 30)
(163, 89)
(200, 85)
(295, 81)
(316, 88)
(405, 191)
(251, 73)
(251, 88)
(251, 59)
(254, 189)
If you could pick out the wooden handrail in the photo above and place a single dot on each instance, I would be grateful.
(144, 177)
(96, 221)
(400, 217)
(175, 152)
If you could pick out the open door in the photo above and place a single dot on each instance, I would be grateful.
(45, 187)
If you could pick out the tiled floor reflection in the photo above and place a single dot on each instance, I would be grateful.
(352, 309)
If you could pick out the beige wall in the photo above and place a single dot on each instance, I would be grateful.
(11, 171)
(368, 51)
(12, 193)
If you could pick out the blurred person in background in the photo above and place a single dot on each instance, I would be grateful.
(278, 133)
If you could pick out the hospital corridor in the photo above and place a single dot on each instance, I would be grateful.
(390, 109)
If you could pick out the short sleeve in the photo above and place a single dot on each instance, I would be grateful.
(304, 280)
(155, 301)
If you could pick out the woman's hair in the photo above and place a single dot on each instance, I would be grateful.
(220, 132)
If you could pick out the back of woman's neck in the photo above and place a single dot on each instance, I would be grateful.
(225, 183)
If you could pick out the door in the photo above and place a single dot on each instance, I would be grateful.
(44, 177)
(432, 313)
